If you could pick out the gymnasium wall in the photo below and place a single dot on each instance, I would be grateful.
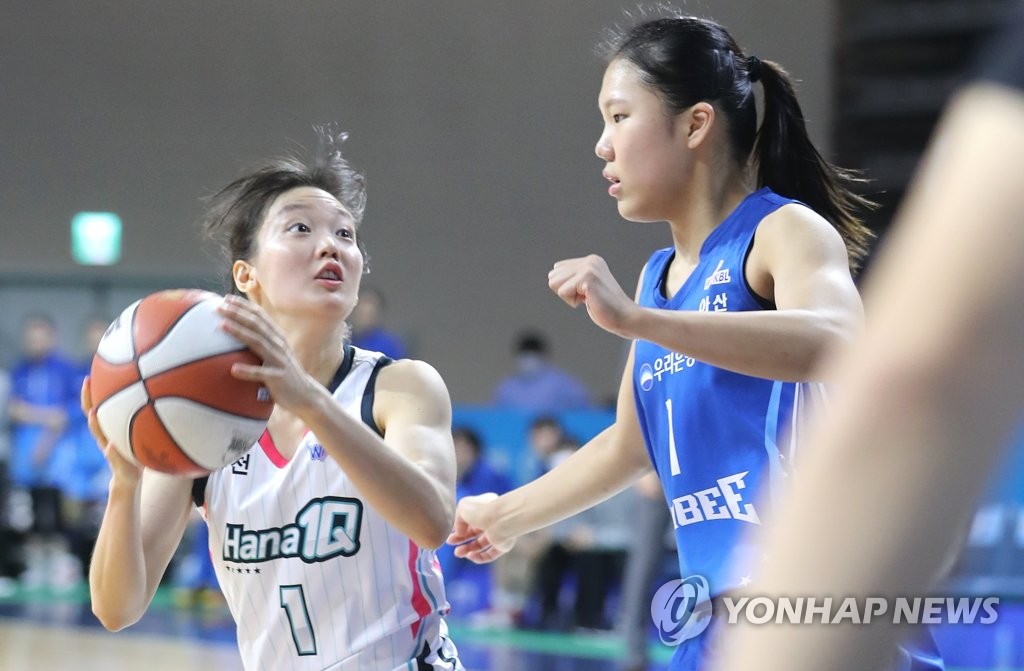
(474, 121)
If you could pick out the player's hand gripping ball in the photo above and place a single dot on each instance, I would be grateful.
(162, 387)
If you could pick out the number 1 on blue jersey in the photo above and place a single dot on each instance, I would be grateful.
(673, 458)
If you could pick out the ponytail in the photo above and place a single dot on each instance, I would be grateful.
(789, 163)
(688, 59)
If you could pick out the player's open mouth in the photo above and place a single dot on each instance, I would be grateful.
(330, 275)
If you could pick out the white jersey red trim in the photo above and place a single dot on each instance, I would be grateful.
(314, 578)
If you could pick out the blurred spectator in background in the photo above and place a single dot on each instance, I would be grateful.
(651, 541)
(469, 585)
(544, 438)
(590, 547)
(42, 389)
(83, 472)
(8, 537)
(193, 579)
(474, 475)
(537, 384)
(516, 572)
(368, 330)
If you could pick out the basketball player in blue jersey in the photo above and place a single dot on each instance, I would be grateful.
(729, 322)
(322, 535)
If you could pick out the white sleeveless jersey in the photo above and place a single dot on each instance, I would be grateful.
(314, 578)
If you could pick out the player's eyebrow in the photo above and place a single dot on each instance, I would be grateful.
(610, 100)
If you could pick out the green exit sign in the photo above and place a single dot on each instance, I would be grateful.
(96, 238)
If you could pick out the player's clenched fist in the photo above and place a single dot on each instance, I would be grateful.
(587, 280)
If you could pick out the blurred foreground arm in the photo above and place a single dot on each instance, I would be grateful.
(928, 398)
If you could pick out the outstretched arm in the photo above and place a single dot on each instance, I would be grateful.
(487, 526)
(944, 339)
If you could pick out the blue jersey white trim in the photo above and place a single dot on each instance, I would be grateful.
(718, 439)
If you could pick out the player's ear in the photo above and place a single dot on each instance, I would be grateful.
(697, 122)
(244, 275)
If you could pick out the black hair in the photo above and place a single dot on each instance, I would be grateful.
(531, 341)
(686, 60)
(470, 436)
(546, 422)
(235, 213)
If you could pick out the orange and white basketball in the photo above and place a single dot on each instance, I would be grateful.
(162, 388)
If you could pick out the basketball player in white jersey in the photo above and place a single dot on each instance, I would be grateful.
(322, 535)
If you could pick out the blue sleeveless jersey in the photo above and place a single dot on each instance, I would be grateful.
(720, 441)
(723, 443)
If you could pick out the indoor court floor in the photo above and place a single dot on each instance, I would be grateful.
(41, 631)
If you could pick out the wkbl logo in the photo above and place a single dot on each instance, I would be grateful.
(681, 609)
(317, 452)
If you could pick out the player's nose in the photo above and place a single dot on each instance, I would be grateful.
(603, 148)
(327, 246)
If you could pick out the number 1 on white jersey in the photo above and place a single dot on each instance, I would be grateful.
(293, 600)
